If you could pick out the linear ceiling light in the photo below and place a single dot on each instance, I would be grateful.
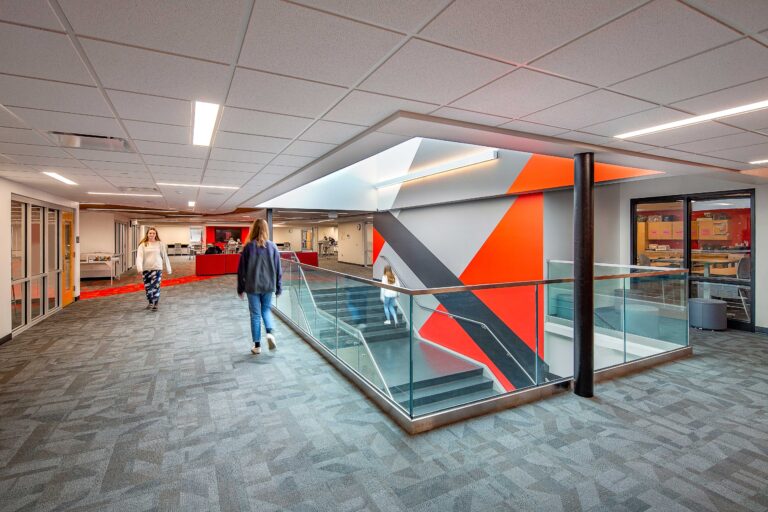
(205, 120)
(756, 162)
(59, 177)
(191, 204)
(192, 185)
(475, 158)
(123, 194)
(697, 119)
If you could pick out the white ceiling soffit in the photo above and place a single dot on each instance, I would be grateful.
(327, 70)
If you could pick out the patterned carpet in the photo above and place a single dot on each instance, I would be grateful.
(107, 407)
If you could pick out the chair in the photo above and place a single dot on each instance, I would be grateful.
(744, 271)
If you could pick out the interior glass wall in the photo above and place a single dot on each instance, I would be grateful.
(711, 235)
(35, 261)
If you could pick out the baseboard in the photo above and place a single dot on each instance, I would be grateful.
(6, 338)
(761, 330)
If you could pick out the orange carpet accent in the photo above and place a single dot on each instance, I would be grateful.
(139, 287)
(544, 172)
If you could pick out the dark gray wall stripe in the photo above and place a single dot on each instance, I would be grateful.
(431, 271)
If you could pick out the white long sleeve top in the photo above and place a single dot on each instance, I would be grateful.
(389, 293)
(151, 257)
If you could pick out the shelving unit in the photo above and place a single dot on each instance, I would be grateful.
(98, 265)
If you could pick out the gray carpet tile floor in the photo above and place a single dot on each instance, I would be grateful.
(107, 407)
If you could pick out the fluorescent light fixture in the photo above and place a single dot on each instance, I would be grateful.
(191, 204)
(192, 185)
(60, 178)
(123, 194)
(697, 119)
(475, 158)
(756, 162)
(205, 120)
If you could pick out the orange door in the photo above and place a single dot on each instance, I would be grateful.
(68, 258)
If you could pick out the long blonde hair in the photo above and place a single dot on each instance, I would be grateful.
(145, 240)
(390, 275)
(259, 232)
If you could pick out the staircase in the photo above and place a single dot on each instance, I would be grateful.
(441, 380)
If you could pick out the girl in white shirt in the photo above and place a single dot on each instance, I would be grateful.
(149, 263)
(389, 297)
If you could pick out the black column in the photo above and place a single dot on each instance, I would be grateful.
(269, 223)
(583, 273)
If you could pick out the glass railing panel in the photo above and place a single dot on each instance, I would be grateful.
(655, 314)
(609, 323)
(558, 330)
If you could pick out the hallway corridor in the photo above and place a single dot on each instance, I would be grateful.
(106, 406)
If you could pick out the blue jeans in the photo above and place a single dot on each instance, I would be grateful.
(389, 308)
(259, 306)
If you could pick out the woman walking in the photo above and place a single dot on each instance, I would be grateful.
(389, 297)
(259, 275)
(149, 263)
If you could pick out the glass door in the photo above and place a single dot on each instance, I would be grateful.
(67, 258)
(659, 233)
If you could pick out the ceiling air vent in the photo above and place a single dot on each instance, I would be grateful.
(98, 142)
(138, 190)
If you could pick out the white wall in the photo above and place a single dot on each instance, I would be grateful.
(351, 247)
(6, 189)
(699, 184)
(291, 234)
(173, 233)
(97, 232)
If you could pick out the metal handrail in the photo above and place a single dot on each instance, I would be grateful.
(477, 322)
(489, 286)
(354, 331)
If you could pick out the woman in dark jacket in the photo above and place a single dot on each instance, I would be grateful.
(259, 276)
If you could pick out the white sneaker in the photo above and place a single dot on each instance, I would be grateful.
(256, 350)
(387, 322)
(271, 341)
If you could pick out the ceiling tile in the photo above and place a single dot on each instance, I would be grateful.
(218, 165)
(105, 156)
(41, 54)
(47, 161)
(434, 73)
(115, 166)
(637, 121)
(22, 136)
(654, 35)
(231, 180)
(202, 28)
(179, 150)
(11, 149)
(305, 148)
(45, 95)
(520, 93)
(262, 123)
(8, 120)
(234, 155)
(144, 71)
(281, 94)
(730, 65)
(277, 170)
(332, 133)
(48, 121)
(629, 145)
(158, 170)
(732, 97)
(365, 108)
(289, 160)
(748, 15)
(590, 109)
(194, 163)
(719, 143)
(690, 133)
(519, 31)
(469, 117)
(538, 129)
(405, 15)
(156, 132)
(746, 154)
(753, 121)
(250, 142)
(29, 12)
(293, 40)
(142, 107)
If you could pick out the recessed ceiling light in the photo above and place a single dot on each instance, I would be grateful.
(192, 185)
(458, 163)
(759, 162)
(191, 204)
(59, 177)
(697, 119)
(123, 194)
(205, 120)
